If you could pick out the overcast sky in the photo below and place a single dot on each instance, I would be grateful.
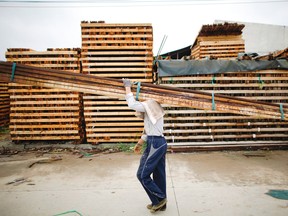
(40, 25)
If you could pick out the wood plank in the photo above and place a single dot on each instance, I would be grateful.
(114, 25)
(218, 143)
(118, 36)
(47, 96)
(45, 108)
(42, 120)
(89, 31)
(118, 129)
(102, 135)
(123, 114)
(225, 130)
(110, 64)
(62, 114)
(229, 136)
(132, 42)
(112, 140)
(122, 47)
(43, 59)
(58, 137)
(45, 102)
(119, 58)
(116, 123)
(115, 53)
(111, 119)
(46, 132)
(45, 126)
(223, 124)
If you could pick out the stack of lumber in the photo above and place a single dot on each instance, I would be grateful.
(196, 127)
(218, 41)
(4, 104)
(115, 51)
(38, 112)
(278, 54)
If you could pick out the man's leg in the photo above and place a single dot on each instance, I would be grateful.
(157, 150)
(159, 175)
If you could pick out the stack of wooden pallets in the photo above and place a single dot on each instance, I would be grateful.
(115, 51)
(218, 41)
(193, 127)
(41, 113)
(4, 104)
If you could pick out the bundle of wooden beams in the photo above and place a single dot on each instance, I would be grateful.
(165, 95)
(114, 51)
(278, 54)
(40, 113)
(218, 41)
(4, 104)
(196, 127)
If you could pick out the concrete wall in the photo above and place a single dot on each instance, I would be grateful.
(263, 38)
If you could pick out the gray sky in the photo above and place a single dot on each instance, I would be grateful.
(43, 24)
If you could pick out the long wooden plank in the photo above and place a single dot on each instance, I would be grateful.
(121, 36)
(230, 143)
(58, 137)
(171, 95)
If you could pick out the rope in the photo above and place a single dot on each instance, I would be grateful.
(213, 101)
(138, 90)
(260, 81)
(281, 111)
(68, 212)
(213, 79)
(13, 71)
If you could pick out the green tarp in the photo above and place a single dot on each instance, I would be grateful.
(196, 67)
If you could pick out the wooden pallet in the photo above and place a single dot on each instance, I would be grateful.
(115, 51)
(192, 127)
(41, 113)
(110, 120)
(4, 104)
(225, 47)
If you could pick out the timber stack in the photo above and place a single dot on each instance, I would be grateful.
(218, 41)
(114, 51)
(41, 113)
(196, 127)
(4, 104)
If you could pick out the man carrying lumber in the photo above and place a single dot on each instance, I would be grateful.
(153, 158)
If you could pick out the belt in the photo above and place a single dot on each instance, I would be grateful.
(155, 136)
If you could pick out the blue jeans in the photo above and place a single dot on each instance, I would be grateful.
(153, 162)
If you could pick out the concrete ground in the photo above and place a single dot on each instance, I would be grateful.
(204, 184)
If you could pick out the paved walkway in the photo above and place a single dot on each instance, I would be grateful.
(204, 184)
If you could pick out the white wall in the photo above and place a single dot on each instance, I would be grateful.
(263, 38)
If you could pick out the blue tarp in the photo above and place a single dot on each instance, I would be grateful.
(196, 67)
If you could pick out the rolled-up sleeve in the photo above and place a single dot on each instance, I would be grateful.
(144, 137)
(133, 104)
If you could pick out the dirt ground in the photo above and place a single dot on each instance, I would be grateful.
(40, 183)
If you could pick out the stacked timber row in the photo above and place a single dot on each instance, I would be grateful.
(4, 104)
(114, 51)
(39, 113)
(194, 127)
(218, 41)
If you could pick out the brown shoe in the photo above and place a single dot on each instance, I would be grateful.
(163, 208)
(158, 207)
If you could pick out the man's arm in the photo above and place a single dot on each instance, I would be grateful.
(132, 103)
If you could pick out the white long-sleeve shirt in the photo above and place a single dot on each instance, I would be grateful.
(150, 129)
